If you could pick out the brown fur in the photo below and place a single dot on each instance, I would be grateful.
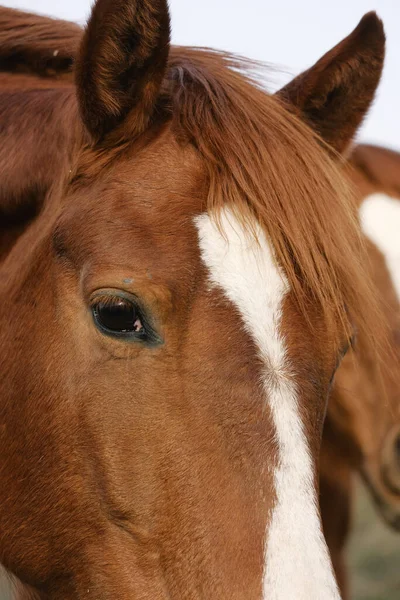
(131, 471)
(378, 169)
(40, 45)
(331, 77)
(36, 58)
(122, 64)
(363, 419)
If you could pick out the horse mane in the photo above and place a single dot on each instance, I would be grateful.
(263, 159)
(245, 136)
(36, 44)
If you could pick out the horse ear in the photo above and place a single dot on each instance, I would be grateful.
(121, 63)
(335, 94)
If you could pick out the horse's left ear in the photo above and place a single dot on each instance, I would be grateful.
(335, 94)
(122, 63)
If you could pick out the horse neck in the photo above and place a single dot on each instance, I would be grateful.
(375, 170)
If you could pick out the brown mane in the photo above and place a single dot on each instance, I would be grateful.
(245, 134)
(32, 43)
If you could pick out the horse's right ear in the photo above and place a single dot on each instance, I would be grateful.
(122, 63)
(334, 95)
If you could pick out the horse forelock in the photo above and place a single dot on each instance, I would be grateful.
(264, 161)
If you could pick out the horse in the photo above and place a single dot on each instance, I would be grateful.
(343, 449)
(39, 53)
(172, 318)
(337, 461)
(362, 428)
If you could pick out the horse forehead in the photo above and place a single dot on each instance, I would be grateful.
(241, 261)
(160, 167)
(139, 203)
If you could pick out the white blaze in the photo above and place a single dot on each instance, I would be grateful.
(380, 221)
(297, 563)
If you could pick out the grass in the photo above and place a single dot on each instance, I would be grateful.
(373, 555)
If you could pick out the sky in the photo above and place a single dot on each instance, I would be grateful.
(290, 34)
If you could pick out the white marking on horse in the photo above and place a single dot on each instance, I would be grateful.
(297, 563)
(380, 221)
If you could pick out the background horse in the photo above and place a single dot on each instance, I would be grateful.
(172, 319)
(362, 428)
(37, 54)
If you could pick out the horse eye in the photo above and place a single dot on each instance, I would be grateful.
(117, 315)
(342, 354)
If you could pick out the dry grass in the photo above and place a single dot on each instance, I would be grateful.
(374, 555)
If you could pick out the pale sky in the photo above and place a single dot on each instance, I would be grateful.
(291, 34)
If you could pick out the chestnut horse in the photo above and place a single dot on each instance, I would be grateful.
(39, 52)
(172, 319)
(357, 397)
(362, 428)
